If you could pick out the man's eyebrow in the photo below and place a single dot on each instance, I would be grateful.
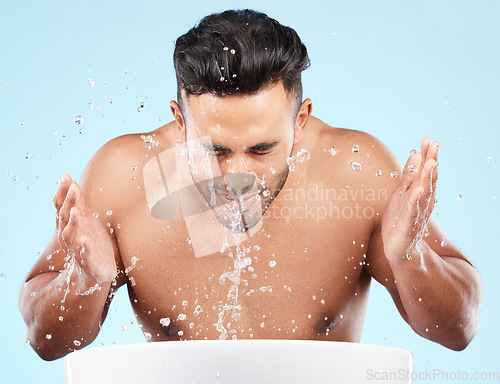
(261, 147)
(216, 147)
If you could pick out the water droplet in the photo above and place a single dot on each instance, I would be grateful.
(91, 82)
(379, 173)
(355, 165)
(181, 316)
(185, 303)
(262, 325)
(225, 49)
(14, 178)
(48, 336)
(413, 152)
(142, 104)
(489, 159)
(394, 174)
(147, 335)
(222, 78)
(77, 343)
(90, 105)
(28, 156)
(412, 168)
(78, 120)
(460, 197)
(22, 122)
(61, 318)
(165, 321)
(109, 213)
(32, 294)
(301, 156)
(333, 150)
(232, 51)
(124, 327)
(272, 263)
(355, 148)
(127, 71)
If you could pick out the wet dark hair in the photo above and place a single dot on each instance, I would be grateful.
(239, 52)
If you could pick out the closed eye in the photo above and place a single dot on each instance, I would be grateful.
(263, 148)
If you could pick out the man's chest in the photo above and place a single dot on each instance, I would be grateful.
(291, 278)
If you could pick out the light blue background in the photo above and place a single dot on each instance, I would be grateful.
(396, 69)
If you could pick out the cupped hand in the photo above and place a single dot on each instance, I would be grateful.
(410, 206)
(81, 234)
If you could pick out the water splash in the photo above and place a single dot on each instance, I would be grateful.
(301, 156)
(333, 150)
(355, 165)
(165, 321)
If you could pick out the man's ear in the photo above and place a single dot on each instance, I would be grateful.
(179, 119)
(302, 119)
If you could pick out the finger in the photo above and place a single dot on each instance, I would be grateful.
(410, 216)
(424, 147)
(69, 233)
(433, 151)
(62, 190)
(410, 171)
(427, 200)
(69, 203)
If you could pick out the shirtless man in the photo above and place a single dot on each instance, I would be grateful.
(276, 231)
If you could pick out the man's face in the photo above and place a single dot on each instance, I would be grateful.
(237, 151)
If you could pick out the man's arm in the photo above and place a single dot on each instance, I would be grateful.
(65, 297)
(434, 285)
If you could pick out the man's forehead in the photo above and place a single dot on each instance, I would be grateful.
(274, 91)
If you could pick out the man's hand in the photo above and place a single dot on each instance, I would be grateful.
(82, 235)
(411, 204)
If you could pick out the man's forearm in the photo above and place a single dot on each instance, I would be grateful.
(63, 311)
(441, 296)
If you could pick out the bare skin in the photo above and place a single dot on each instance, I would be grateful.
(339, 220)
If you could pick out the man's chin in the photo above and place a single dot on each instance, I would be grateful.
(239, 221)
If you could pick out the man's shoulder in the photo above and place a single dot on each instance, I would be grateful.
(353, 157)
(356, 145)
(115, 169)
